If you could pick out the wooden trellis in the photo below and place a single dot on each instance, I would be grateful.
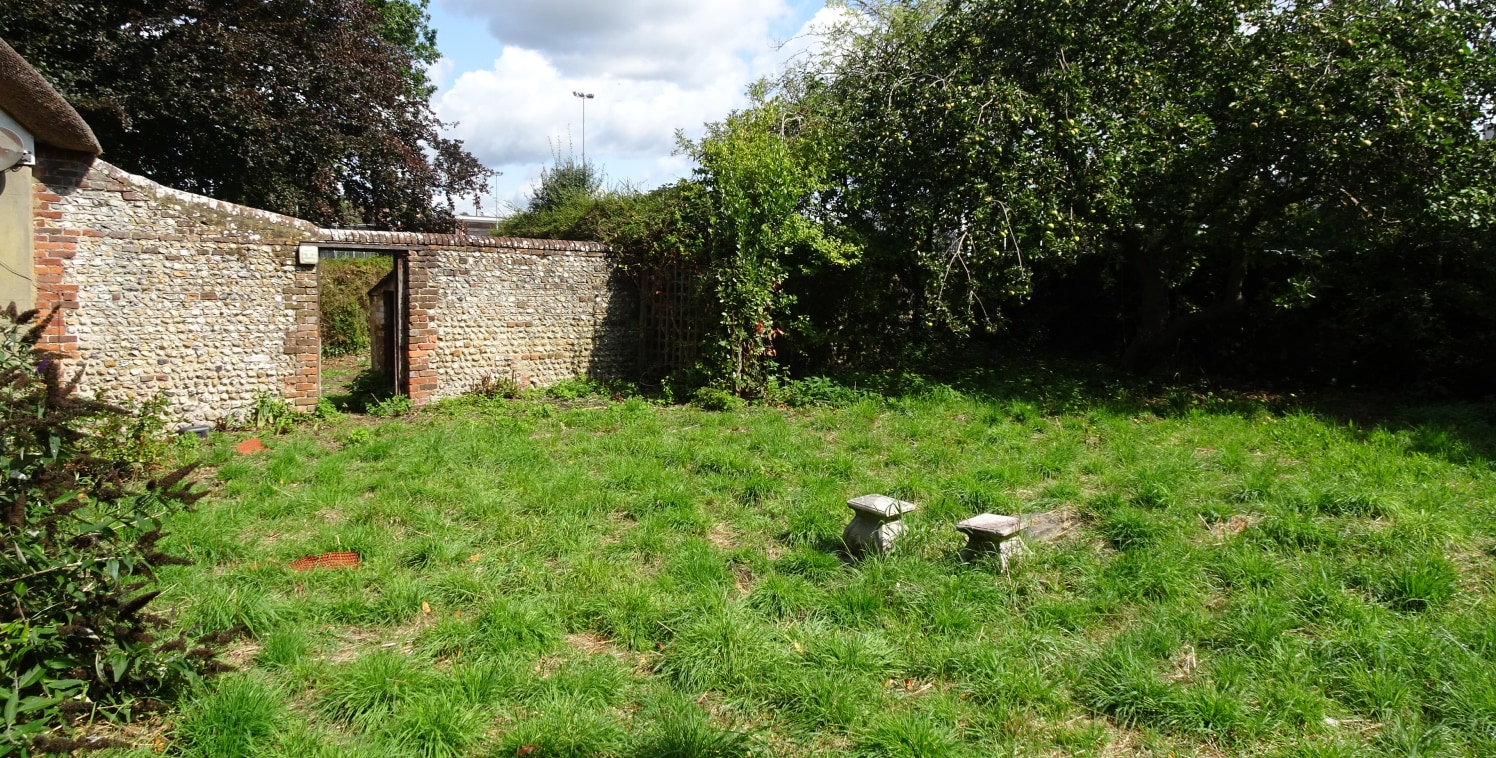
(673, 309)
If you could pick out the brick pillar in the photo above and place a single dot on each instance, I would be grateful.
(57, 173)
(421, 323)
(303, 342)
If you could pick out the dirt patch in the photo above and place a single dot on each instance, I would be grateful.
(593, 643)
(1225, 530)
(241, 653)
(355, 642)
(722, 537)
(1182, 667)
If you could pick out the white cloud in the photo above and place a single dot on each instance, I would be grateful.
(440, 72)
(516, 111)
(688, 42)
(655, 66)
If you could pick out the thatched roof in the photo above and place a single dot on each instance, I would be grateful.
(31, 101)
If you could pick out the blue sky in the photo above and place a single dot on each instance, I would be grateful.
(510, 67)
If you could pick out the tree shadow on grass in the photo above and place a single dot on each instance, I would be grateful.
(1024, 386)
(367, 388)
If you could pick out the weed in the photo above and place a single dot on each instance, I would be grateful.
(368, 689)
(910, 735)
(392, 406)
(510, 625)
(575, 388)
(271, 414)
(502, 387)
(722, 649)
(431, 726)
(681, 730)
(284, 647)
(564, 731)
(1418, 583)
(817, 391)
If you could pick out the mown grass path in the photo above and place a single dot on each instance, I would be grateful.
(624, 579)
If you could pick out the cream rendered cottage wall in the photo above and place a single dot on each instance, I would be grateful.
(16, 284)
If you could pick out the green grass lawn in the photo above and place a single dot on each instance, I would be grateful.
(623, 579)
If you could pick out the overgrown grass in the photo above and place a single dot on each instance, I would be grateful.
(594, 577)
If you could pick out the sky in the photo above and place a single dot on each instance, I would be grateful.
(509, 69)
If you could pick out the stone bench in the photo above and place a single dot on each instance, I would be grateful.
(876, 523)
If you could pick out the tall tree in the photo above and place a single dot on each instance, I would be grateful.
(316, 108)
(1202, 150)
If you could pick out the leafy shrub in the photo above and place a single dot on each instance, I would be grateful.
(497, 387)
(344, 320)
(270, 413)
(818, 390)
(574, 388)
(327, 410)
(77, 553)
(714, 399)
(392, 406)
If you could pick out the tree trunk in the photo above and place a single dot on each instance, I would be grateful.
(1156, 331)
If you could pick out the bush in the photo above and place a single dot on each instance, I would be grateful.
(819, 390)
(77, 553)
(714, 399)
(575, 388)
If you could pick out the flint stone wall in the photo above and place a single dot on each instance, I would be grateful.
(172, 294)
(203, 302)
(536, 316)
(533, 311)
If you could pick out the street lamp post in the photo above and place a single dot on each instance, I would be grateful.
(585, 97)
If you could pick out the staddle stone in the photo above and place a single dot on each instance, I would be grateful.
(989, 524)
(875, 523)
(991, 534)
(881, 505)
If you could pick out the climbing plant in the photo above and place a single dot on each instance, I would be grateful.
(761, 167)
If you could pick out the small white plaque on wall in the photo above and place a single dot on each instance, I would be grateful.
(306, 255)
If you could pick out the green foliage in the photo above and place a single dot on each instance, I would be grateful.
(568, 203)
(567, 181)
(270, 413)
(498, 387)
(1148, 171)
(343, 318)
(367, 690)
(78, 552)
(758, 178)
(235, 719)
(574, 388)
(406, 25)
(817, 390)
(716, 399)
(392, 406)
